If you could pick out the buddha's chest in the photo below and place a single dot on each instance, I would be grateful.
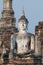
(21, 39)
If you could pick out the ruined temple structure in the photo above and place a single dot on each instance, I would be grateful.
(7, 22)
(39, 42)
(17, 46)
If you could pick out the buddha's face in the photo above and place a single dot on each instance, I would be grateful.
(22, 25)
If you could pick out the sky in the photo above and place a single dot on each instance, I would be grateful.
(33, 11)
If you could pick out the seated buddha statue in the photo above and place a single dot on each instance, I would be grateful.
(21, 42)
(22, 37)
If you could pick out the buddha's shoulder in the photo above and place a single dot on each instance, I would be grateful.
(30, 34)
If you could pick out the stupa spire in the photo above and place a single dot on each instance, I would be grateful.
(7, 9)
(7, 4)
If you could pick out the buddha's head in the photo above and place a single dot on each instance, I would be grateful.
(22, 24)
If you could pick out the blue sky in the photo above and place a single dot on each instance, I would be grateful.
(33, 11)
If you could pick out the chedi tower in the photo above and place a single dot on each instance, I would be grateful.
(7, 23)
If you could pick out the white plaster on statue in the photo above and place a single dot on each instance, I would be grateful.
(36, 45)
(12, 41)
(4, 50)
(22, 26)
(22, 37)
(32, 42)
(22, 43)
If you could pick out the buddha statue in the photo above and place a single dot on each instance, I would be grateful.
(22, 38)
(20, 42)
